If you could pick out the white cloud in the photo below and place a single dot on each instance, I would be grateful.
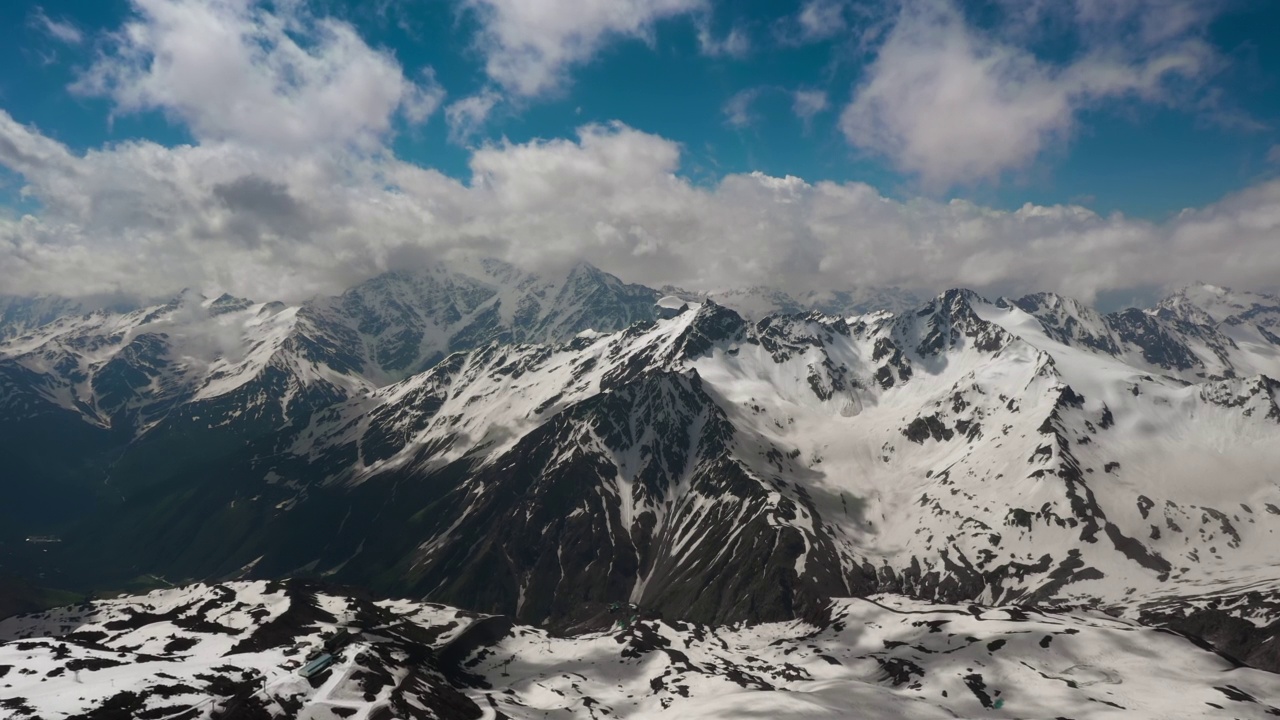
(467, 116)
(1273, 155)
(140, 218)
(737, 110)
(735, 44)
(422, 99)
(953, 105)
(529, 46)
(1145, 22)
(236, 212)
(1136, 23)
(232, 70)
(821, 19)
(808, 103)
(61, 30)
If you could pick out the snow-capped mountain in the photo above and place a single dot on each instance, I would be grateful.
(1199, 333)
(706, 467)
(197, 376)
(943, 453)
(135, 367)
(1204, 304)
(19, 314)
(717, 470)
(286, 650)
(407, 322)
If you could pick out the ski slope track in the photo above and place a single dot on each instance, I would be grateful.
(234, 650)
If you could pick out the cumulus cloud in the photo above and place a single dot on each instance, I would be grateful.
(423, 98)
(529, 46)
(954, 104)
(139, 217)
(241, 211)
(233, 70)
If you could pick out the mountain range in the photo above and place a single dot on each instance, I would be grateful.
(543, 447)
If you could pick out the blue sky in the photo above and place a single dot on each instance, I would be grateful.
(1145, 108)
(1147, 159)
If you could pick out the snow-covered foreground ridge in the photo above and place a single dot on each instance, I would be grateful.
(235, 650)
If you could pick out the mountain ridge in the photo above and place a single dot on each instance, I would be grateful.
(719, 470)
(229, 649)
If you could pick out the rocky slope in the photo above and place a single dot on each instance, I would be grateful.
(89, 399)
(967, 451)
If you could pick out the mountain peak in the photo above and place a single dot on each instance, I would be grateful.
(225, 303)
(711, 324)
(952, 303)
(1050, 300)
(582, 267)
(1203, 303)
(583, 273)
